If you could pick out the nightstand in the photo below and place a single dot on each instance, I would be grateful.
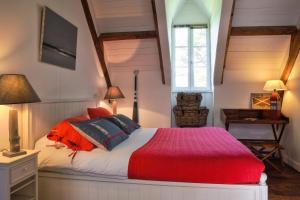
(19, 177)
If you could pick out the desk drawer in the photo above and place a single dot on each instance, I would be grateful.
(22, 171)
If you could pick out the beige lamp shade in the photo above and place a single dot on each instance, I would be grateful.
(276, 85)
(16, 89)
(114, 92)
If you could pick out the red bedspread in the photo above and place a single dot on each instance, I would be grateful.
(203, 155)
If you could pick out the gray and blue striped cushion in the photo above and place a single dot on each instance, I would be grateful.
(101, 132)
(124, 122)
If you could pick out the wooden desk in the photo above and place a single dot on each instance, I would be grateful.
(250, 116)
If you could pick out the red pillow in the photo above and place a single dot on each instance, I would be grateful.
(65, 133)
(98, 112)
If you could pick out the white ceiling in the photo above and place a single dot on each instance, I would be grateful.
(246, 56)
(123, 15)
(259, 58)
(257, 52)
(266, 12)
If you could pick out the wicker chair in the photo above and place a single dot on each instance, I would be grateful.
(188, 112)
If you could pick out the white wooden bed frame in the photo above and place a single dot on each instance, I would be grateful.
(39, 118)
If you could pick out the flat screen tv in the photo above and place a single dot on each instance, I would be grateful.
(58, 40)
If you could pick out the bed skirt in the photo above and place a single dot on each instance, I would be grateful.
(65, 187)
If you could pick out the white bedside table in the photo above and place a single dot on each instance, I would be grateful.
(18, 177)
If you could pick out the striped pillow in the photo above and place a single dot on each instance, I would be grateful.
(124, 122)
(101, 132)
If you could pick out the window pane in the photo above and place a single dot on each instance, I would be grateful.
(181, 67)
(181, 36)
(200, 66)
(200, 56)
(200, 77)
(199, 37)
(181, 77)
(181, 56)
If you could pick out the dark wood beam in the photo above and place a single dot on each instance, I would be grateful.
(158, 42)
(263, 30)
(293, 54)
(127, 35)
(97, 44)
(227, 41)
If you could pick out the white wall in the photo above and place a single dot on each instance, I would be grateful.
(123, 57)
(291, 107)
(237, 95)
(251, 60)
(191, 13)
(153, 97)
(19, 38)
(172, 7)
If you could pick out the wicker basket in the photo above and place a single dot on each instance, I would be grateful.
(183, 96)
(189, 99)
(190, 118)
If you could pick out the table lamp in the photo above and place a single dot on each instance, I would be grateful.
(113, 93)
(15, 89)
(274, 86)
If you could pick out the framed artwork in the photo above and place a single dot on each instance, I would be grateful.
(260, 101)
(58, 40)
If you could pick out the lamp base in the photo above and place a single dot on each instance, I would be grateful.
(13, 154)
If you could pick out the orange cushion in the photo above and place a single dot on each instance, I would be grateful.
(98, 112)
(65, 133)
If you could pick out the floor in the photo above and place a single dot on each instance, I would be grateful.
(284, 185)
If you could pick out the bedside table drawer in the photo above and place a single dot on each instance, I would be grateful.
(22, 171)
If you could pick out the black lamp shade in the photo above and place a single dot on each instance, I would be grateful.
(16, 89)
(114, 92)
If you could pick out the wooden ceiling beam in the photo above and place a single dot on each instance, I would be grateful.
(263, 30)
(96, 41)
(158, 42)
(293, 54)
(127, 35)
(227, 41)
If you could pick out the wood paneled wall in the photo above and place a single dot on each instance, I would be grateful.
(123, 16)
(132, 54)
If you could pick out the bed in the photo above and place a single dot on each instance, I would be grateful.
(60, 179)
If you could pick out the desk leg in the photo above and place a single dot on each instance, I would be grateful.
(227, 126)
(278, 139)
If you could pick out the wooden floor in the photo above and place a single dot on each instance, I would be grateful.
(284, 185)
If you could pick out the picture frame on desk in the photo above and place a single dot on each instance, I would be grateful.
(260, 101)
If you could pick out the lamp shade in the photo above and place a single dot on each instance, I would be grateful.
(272, 85)
(114, 92)
(15, 89)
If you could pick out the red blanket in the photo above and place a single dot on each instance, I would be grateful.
(202, 155)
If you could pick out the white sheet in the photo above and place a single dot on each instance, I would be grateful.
(98, 161)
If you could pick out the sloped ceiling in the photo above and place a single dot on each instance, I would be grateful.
(266, 12)
(208, 5)
(123, 15)
(259, 58)
(129, 16)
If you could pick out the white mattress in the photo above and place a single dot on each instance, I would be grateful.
(99, 162)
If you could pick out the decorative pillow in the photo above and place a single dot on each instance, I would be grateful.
(65, 133)
(101, 132)
(124, 122)
(98, 112)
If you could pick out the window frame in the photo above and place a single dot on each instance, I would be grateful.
(191, 87)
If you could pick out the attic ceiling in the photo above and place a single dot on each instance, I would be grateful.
(266, 13)
(123, 15)
(259, 58)
(246, 54)
(127, 16)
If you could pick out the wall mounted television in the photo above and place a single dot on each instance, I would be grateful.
(58, 40)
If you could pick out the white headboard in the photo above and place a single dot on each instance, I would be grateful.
(37, 119)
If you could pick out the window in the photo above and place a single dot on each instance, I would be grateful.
(191, 61)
